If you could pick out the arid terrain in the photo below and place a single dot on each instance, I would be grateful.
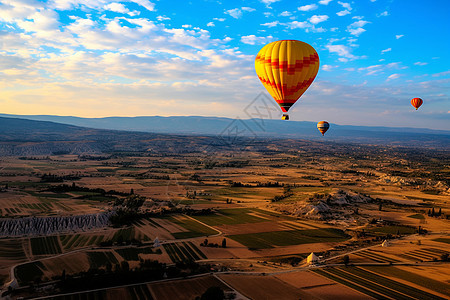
(171, 222)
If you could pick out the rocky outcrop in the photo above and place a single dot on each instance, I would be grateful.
(32, 226)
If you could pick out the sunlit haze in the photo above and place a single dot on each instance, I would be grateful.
(98, 58)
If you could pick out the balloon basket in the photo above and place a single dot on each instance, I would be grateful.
(285, 117)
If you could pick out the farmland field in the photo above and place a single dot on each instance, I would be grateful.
(45, 245)
(373, 284)
(264, 240)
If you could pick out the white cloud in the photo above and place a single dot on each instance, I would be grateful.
(420, 63)
(324, 2)
(186, 26)
(386, 50)
(297, 24)
(117, 7)
(271, 24)
(328, 67)
(145, 3)
(356, 31)
(252, 39)
(269, 2)
(286, 14)
(318, 19)
(383, 14)
(393, 76)
(343, 51)
(219, 19)
(398, 36)
(235, 13)
(441, 74)
(343, 13)
(356, 27)
(210, 24)
(238, 12)
(345, 5)
(308, 7)
(360, 23)
(162, 18)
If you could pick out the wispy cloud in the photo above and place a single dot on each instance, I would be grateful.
(238, 12)
(386, 50)
(271, 24)
(420, 63)
(324, 2)
(393, 76)
(269, 2)
(316, 19)
(399, 36)
(343, 13)
(343, 51)
(308, 7)
(252, 39)
(286, 14)
(356, 27)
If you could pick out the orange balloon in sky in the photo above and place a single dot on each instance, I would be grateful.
(416, 102)
(286, 69)
(323, 126)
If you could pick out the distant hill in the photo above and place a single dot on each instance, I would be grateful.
(259, 128)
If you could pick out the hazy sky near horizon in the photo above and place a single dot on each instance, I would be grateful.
(98, 58)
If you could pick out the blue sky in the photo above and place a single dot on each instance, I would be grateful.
(97, 58)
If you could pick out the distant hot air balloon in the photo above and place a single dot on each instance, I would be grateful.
(286, 69)
(323, 126)
(416, 102)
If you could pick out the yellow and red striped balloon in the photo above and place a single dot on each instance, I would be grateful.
(323, 126)
(416, 102)
(286, 69)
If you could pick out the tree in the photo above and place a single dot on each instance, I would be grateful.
(380, 206)
(224, 243)
(125, 266)
(432, 212)
(346, 260)
(213, 293)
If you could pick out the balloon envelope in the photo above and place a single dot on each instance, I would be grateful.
(416, 102)
(286, 69)
(323, 126)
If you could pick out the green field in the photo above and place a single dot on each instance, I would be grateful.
(442, 240)
(98, 259)
(132, 253)
(229, 217)
(45, 245)
(195, 229)
(393, 230)
(374, 285)
(27, 273)
(12, 249)
(183, 252)
(264, 240)
(438, 286)
(417, 216)
(139, 292)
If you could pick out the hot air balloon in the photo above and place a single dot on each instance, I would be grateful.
(416, 102)
(323, 126)
(286, 69)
